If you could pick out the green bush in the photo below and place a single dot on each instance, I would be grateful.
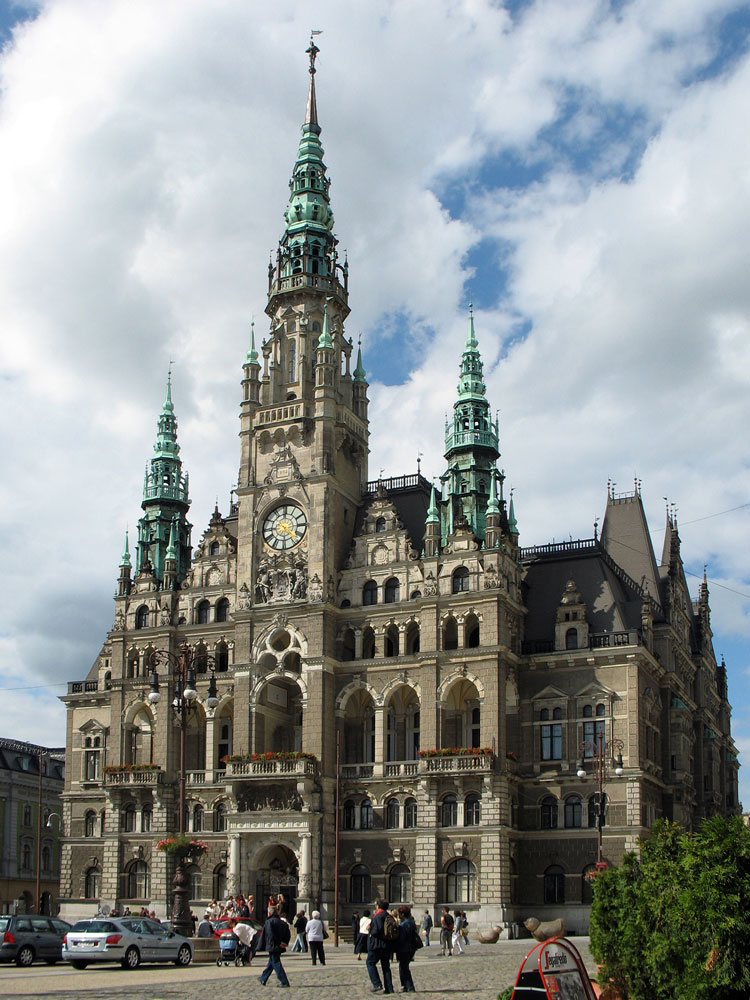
(675, 922)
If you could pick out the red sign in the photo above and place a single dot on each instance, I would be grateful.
(555, 969)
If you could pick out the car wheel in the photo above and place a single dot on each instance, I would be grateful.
(79, 965)
(184, 956)
(132, 958)
(25, 956)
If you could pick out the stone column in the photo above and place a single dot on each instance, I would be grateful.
(233, 877)
(304, 887)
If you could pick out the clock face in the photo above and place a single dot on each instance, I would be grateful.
(284, 527)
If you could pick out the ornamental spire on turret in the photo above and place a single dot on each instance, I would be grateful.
(311, 116)
(252, 354)
(125, 558)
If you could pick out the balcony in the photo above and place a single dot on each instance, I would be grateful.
(140, 777)
(82, 687)
(196, 779)
(434, 764)
(457, 763)
(301, 766)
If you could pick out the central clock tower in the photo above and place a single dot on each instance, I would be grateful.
(303, 418)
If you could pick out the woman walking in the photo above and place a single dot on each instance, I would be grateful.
(315, 934)
(364, 930)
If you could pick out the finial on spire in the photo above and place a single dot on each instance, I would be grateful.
(168, 398)
(252, 354)
(359, 371)
(325, 337)
(311, 116)
(125, 560)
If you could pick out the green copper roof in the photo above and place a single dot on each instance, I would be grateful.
(325, 337)
(359, 371)
(512, 524)
(493, 507)
(252, 354)
(164, 479)
(125, 559)
(472, 424)
(433, 515)
(172, 547)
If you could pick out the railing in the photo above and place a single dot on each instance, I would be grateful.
(217, 777)
(462, 762)
(407, 769)
(280, 411)
(597, 640)
(264, 768)
(149, 777)
(302, 280)
(82, 687)
(357, 770)
(457, 439)
(556, 547)
(398, 483)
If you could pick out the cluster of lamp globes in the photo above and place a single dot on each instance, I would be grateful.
(619, 769)
(189, 694)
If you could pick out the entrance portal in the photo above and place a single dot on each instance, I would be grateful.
(277, 873)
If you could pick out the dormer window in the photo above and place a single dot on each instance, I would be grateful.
(213, 549)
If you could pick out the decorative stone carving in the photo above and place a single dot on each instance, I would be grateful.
(165, 617)
(244, 603)
(281, 580)
(119, 624)
(430, 585)
(315, 592)
(276, 798)
(490, 578)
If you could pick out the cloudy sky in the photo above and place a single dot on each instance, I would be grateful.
(581, 168)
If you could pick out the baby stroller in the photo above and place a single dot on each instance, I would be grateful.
(231, 949)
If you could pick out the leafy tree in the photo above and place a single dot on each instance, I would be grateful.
(675, 922)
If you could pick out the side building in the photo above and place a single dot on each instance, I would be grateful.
(32, 779)
(382, 674)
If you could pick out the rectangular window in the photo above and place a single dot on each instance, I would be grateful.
(594, 735)
(552, 742)
(91, 771)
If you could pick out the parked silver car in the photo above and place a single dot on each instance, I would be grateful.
(26, 936)
(127, 940)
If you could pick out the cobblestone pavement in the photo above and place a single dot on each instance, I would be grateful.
(480, 974)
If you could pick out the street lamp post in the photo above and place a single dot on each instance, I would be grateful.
(185, 698)
(602, 755)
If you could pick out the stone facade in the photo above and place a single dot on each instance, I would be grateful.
(384, 676)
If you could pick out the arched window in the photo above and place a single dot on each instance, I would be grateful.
(133, 663)
(573, 811)
(92, 886)
(220, 817)
(410, 813)
(461, 882)
(450, 633)
(128, 819)
(449, 811)
(147, 818)
(360, 890)
(203, 613)
(197, 822)
(139, 883)
(196, 882)
(392, 815)
(392, 590)
(380, 524)
(213, 549)
(142, 617)
(412, 639)
(89, 824)
(26, 857)
(399, 884)
(365, 815)
(554, 885)
(201, 659)
(221, 657)
(220, 882)
(471, 632)
(588, 711)
(46, 858)
(549, 813)
(471, 810)
(460, 579)
(222, 610)
(391, 640)
(370, 593)
(571, 638)
(368, 644)
(349, 815)
(600, 710)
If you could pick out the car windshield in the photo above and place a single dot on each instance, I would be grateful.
(94, 927)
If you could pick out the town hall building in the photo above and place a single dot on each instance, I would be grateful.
(352, 687)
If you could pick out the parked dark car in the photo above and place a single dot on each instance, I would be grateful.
(27, 936)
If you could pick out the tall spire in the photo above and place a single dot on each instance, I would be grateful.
(252, 354)
(359, 371)
(311, 116)
(125, 558)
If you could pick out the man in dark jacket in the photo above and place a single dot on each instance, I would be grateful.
(379, 950)
(274, 939)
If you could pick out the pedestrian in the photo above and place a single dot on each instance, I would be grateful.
(251, 907)
(458, 941)
(446, 932)
(364, 930)
(274, 939)
(465, 927)
(316, 932)
(300, 923)
(355, 930)
(205, 930)
(243, 910)
(408, 939)
(426, 927)
(281, 903)
(248, 938)
(379, 950)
